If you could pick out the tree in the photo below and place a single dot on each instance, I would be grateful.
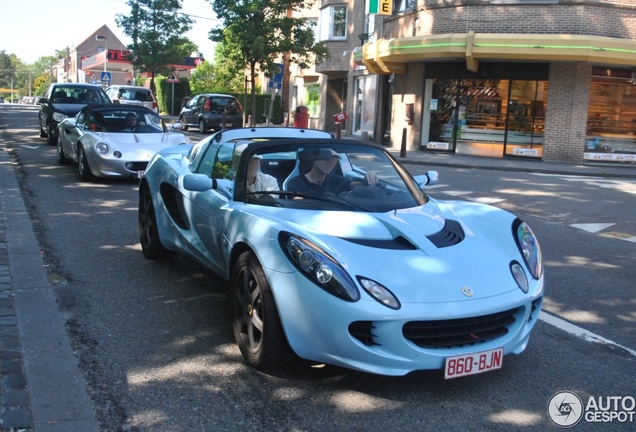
(156, 28)
(203, 78)
(230, 73)
(7, 70)
(260, 32)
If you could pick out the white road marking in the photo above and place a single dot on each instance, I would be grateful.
(592, 227)
(457, 193)
(29, 147)
(580, 332)
(486, 200)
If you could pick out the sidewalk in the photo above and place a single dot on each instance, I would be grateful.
(41, 388)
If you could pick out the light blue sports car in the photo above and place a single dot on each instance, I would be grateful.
(336, 254)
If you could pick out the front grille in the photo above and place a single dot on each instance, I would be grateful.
(459, 332)
(362, 330)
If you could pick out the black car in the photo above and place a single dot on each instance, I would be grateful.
(207, 111)
(63, 100)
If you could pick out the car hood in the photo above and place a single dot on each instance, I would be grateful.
(419, 221)
(402, 251)
(159, 138)
(68, 109)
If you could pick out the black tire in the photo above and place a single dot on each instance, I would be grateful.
(255, 321)
(148, 232)
(61, 157)
(50, 139)
(184, 126)
(202, 127)
(83, 168)
(42, 132)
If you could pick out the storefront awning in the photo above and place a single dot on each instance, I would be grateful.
(387, 56)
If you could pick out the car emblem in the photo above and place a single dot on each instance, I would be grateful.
(467, 291)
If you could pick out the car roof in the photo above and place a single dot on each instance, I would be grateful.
(311, 142)
(129, 87)
(128, 108)
(80, 85)
(215, 94)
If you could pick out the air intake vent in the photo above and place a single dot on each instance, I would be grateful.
(450, 235)
(459, 332)
(398, 243)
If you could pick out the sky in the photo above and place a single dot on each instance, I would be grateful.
(38, 28)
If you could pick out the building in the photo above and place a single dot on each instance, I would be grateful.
(101, 59)
(549, 79)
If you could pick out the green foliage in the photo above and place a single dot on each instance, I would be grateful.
(203, 78)
(259, 32)
(164, 95)
(156, 28)
(262, 107)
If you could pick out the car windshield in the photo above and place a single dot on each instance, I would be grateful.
(122, 121)
(78, 95)
(338, 177)
(135, 95)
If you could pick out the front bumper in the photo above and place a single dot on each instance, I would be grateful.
(367, 336)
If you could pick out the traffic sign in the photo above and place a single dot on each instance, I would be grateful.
(94, 82)
(106, 76)
(173, 78)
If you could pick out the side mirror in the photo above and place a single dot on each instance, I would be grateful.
(197, 182)
(175, 126)
(429, 179)
(43, 100)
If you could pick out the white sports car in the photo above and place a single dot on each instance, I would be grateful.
(334, 252)
(113, 140)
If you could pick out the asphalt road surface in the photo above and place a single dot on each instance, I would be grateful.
(155, 346)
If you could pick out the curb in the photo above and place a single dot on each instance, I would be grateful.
(51, 382)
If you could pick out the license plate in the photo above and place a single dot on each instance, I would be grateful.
(229, 124)
(140, 174)
(471, 364)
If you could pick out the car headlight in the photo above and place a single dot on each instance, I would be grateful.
(58, 116)
(102, 148)
(379, 292)
(519, 274)
(315, 263)
(529, 247)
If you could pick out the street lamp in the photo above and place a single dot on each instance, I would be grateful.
(105, 39)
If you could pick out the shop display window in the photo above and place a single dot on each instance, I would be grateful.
(489, 117)
(611, 124)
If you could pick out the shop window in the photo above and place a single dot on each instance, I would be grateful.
(611, 125)
(364, 104)
(333, 23)
(488, 117)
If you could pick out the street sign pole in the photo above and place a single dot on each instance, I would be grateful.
(172, 110)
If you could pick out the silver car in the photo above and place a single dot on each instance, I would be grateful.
(133, 95)
(113, 140)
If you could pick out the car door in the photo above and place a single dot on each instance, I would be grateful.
(190, 112)
(210, 209)
(71, 134)
(45, 107)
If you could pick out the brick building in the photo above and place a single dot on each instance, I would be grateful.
(550, 79)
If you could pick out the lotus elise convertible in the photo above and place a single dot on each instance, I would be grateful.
(335, 253)
(113, 140)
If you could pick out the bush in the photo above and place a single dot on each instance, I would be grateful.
(164, 94)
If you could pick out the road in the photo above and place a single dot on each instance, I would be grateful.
(155, 346)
